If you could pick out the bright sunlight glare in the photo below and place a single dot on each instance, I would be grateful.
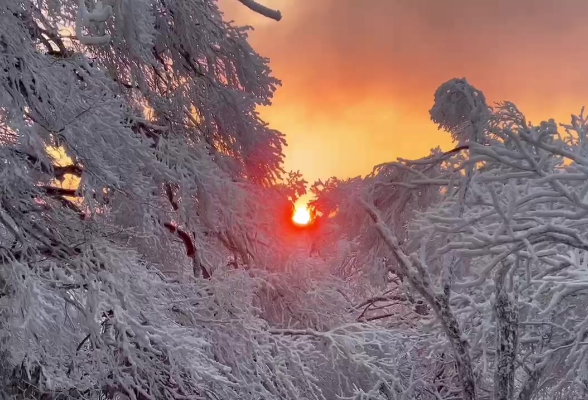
(301, 216)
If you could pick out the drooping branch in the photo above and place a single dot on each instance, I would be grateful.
(53, 42)
(261, 9)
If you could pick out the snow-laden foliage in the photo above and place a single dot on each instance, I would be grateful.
(142, 238)
(146, 252)
(460, 109)
(159, 122)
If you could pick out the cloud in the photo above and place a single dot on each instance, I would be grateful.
(359, 75)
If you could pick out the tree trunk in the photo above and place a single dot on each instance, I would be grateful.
(507, 320)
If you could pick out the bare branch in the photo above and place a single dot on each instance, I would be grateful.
(261, 9)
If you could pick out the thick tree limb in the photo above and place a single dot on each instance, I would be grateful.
(190, 250)
(507, 329)
(261, 9)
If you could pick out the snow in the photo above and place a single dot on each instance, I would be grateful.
(156, 258)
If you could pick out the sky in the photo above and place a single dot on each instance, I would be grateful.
(358, 76)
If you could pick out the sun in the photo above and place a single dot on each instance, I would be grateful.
(301, 216)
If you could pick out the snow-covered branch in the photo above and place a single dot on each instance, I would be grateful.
(89, 19)
(411, 267)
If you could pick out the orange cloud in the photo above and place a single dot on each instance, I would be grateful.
(359, 75)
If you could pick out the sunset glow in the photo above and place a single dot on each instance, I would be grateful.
(301, 216)
(341, 120)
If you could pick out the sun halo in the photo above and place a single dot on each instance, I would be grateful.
(301, 216)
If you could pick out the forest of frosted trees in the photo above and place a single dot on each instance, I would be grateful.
(145, 255)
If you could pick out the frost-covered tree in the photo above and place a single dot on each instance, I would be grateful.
(492, 237)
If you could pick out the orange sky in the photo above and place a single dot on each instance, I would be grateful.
(359, 75)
